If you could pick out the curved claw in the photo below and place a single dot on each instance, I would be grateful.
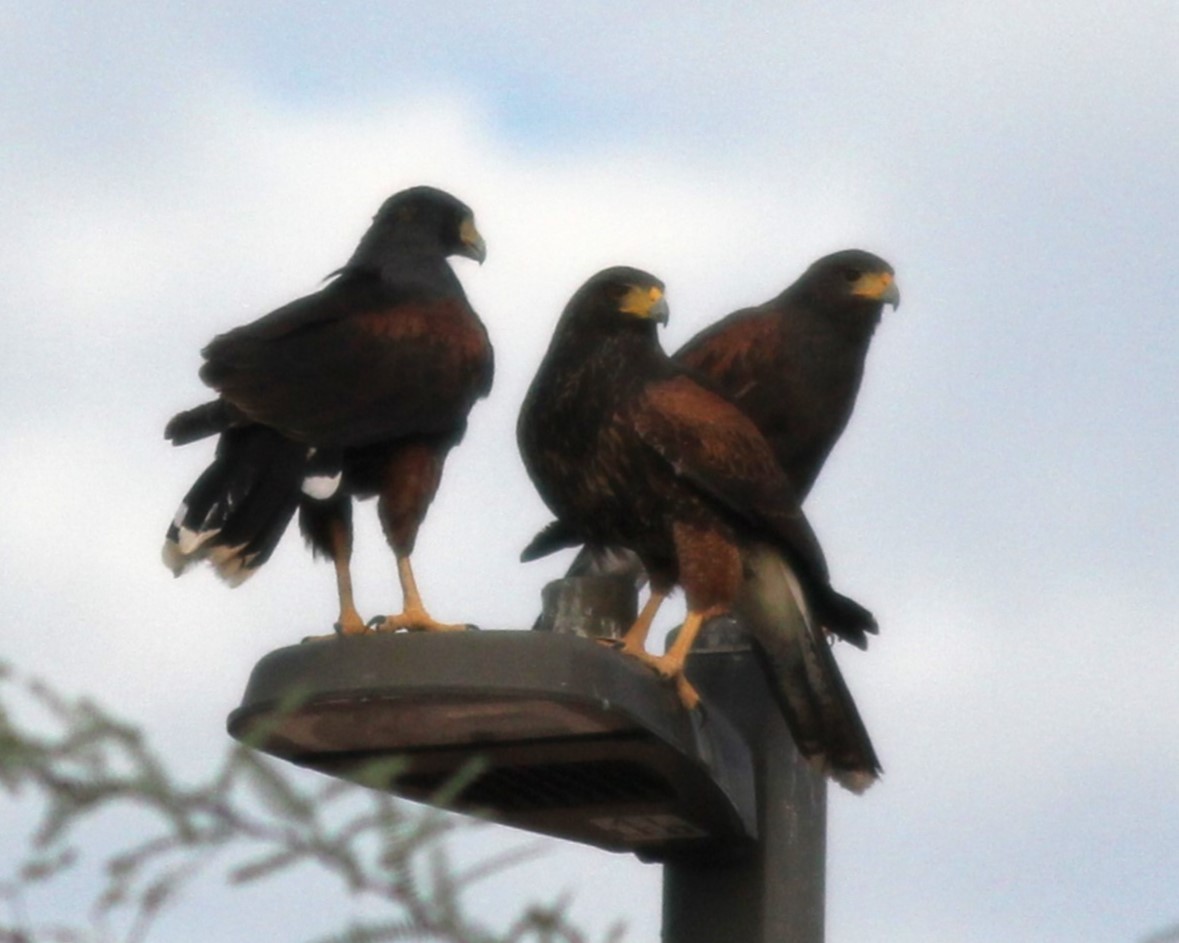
(347, 627)
(413, 620)
(671, 670)
(340, 630)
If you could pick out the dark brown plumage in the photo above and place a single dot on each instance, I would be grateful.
(629, 450)
(359, 389)
(793, 365)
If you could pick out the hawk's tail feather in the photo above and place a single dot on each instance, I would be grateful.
(201, 421)
(237, 510)
(804, 677)
(845, 617)
(590, 560)
(555, 536)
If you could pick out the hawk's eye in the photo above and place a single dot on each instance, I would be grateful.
(852, 274)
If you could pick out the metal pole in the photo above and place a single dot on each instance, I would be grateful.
(774, 894)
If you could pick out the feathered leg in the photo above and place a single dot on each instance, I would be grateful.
(710, 572)
(408, 482)
(327, 527)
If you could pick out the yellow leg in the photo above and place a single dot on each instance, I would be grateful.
(634, 642)
(671, 665)
(413, 615)
(350, 622)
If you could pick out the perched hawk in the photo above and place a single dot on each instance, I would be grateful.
(359, 389)
(793, 365)
(629, 450)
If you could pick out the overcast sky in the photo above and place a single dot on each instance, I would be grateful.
(1004, 499)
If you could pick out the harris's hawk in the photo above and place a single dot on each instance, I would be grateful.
(357, 390)
(629, 450)
(793, 365)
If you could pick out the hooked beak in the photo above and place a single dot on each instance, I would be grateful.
(473, 246)
(879, 286)
(646, 302)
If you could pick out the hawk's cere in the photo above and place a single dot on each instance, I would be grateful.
(359, 389)
(629, 450)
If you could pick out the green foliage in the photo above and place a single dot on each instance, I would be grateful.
(257, 815)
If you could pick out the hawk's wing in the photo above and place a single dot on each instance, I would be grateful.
(714, 446)
(354, 365)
